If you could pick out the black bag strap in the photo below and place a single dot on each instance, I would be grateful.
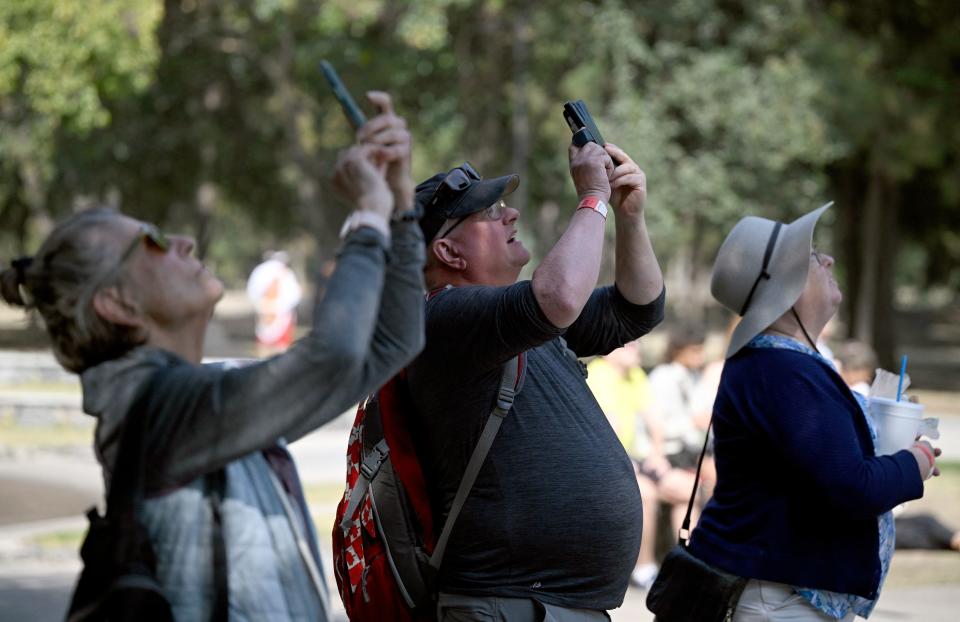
(215, 484)
(684, 535)
(506, 392)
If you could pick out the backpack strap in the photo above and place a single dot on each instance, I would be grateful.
(368, 470)
(509, 385)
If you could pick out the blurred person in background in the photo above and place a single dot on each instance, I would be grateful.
(275, 292)
(858, 365)
(802, 502)
(622, 389)
(679, 413)
(121, 301)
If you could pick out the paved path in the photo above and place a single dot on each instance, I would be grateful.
(45, 492)
(36, 585)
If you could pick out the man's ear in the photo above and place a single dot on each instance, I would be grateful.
(448, 254)
(110, 304)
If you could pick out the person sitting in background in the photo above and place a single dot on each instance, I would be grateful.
(802, 502)
(124, 305)
(621, 387)
(677, 422)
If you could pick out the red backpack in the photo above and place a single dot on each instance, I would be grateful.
(386, 546)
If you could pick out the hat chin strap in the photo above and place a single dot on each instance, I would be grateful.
(813, 344)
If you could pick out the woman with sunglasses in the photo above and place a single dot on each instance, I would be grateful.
(121, 301)
(802, 506)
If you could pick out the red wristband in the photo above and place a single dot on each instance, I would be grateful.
(595, 204)
(926, 452)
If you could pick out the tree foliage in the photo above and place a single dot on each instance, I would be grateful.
(212, 115)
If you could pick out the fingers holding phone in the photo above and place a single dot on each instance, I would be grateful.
(590, 169)
(628, 183)
(359, 178)
(388, 134)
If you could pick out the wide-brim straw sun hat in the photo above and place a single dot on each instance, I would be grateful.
(761, 270)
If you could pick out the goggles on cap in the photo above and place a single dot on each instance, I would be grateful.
(455, 183)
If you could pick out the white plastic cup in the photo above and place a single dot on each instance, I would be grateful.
(897, 423)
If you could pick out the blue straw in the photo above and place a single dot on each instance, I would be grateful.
(903, 371)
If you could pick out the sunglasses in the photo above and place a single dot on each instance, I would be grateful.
(151, 236)
(456, 181)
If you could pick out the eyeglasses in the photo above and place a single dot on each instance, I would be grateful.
(151, 235)
(492, 213)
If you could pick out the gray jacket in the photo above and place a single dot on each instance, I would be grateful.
(368, 326)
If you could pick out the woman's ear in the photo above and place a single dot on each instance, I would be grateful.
(110, 304)
(449, 255)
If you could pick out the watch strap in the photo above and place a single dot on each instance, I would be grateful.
(362, 218)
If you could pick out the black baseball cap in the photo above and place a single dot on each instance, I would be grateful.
(456, 194)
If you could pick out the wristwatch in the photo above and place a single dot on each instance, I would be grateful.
(410, 215)
(360, 218)
(595, 204)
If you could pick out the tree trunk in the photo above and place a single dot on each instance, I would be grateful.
(870, 249)
(873, 310)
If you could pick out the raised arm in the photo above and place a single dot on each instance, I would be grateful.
(638, 275)
(368, 325)
(563, 282)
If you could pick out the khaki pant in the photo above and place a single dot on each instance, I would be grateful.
(766, 601)
(457, 608)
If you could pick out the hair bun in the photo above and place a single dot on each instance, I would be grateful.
(12, 281)
(20, 265)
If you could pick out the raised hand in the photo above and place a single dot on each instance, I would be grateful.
(628, 184)
(590, 169)
(359, 176)
(388, 134)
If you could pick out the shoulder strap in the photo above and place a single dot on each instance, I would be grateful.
(215, 484)
(509, 385)
(684, 535)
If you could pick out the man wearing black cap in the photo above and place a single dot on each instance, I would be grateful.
(553, 521)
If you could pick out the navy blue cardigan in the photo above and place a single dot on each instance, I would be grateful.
(799, 487)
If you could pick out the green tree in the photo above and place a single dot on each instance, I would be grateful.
(58, 62)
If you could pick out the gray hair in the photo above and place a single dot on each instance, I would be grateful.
(60, 282)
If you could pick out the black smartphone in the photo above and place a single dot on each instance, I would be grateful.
(349, 105)
(581, 123)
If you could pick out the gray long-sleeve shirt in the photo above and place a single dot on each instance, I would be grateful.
(206, 417)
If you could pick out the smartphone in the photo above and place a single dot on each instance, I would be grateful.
(581, 123)
(349, 105)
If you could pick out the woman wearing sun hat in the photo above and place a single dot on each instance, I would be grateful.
(802, 503)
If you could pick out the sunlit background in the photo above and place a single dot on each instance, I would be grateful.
(210, 117)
